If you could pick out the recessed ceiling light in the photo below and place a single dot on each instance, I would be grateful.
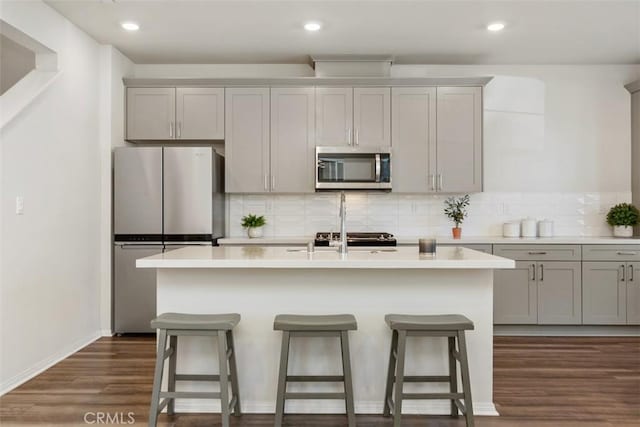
(312, 26)
(130, 26)
(495, 26)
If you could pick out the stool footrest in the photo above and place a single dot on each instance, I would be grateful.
(461, 406)
(426, 396)
(168, 353)
(426, 379)
(197, 377)
(234, 399)
(163, 403)
(315, 378)
(190, 395)
(311, 395)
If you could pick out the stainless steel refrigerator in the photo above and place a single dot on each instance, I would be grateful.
(163, 198)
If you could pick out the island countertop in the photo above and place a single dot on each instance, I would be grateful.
(297, 258)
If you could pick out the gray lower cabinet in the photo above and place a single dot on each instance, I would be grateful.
(515, 296)
(559, 288)
(611, 293)
(487, 249)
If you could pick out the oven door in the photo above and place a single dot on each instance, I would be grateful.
(340, 169)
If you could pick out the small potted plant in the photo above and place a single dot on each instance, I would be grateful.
(253, 224)
(623, 217)
(456, 210)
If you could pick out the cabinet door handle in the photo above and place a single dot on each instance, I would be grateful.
(541, 272)
(273, 182)
(266, 182)
(348, 136)
(357, 137)
(179, 130)
(171, 129)
(533, 272)
(624, 273)
(626, 253)
(439, 182)
(631, 273)
(432, 178)
(537, 253)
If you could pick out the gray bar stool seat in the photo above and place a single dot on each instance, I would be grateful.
(293, 325)
(172, 325)
(452, 326)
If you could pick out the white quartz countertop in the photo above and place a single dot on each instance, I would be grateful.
(408, 240)
(296, 258)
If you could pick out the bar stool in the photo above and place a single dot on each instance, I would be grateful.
(315, 326)
(173, 325)
(448, 325)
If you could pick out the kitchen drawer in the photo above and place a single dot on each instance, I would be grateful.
(611, 252)
(538, 252)
(475, 246)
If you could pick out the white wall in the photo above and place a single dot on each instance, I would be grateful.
(50, 155)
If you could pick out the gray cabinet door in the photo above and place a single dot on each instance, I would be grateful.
(515, 298)
(292, 140)
(633, 293)
(151, 113)
(413, 136)
(559, 293)
(603, 293)
(334, 116)
(200, 113)
(372, 117)
(247, 140)
(459, 139)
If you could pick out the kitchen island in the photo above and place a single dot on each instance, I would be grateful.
(260, 282)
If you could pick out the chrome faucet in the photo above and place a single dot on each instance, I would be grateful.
(343, 249)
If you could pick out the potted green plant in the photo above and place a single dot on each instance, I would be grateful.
(253, 224)
(456, 210)
(623, 217)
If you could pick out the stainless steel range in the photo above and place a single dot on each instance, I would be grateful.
(357, 239)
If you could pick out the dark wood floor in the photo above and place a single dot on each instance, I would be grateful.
(539, 382)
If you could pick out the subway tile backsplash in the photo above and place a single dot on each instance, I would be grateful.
(574, 214)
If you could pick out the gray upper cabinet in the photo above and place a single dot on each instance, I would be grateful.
(151, 113)
(372, 117)
(292, 140)
(559, 293)
(334, 116)
(459, 139)
(604, 293)
(353, 116)
(200, 113)
(413, 117)
(247, 140)
(515, 295)
(166, 113)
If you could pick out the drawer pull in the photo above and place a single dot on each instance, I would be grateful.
(542, 272)
(626, 253)
(631, 273)
(537, 253)
(624, 273)
(533, 272)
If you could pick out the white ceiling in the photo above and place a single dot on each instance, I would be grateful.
(438, 31)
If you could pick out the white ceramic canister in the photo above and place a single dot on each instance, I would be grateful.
(545, 228)
(511, 229)
(528, 227)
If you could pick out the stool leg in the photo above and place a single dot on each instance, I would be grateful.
(466, 383)
(157, 378)
(453, 375)
(391, 371)
(282, 379)
(233, 368)
(173, 344)
(397, 407)
(224, 380)
(348, 384)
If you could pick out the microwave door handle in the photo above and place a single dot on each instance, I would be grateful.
(377, 167)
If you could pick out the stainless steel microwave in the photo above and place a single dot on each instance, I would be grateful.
(357, 168)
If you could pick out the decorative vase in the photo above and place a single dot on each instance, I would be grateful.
(622, 231)
(254, 232)
(457, 232)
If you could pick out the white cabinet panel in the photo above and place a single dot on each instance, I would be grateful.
(151, 113)
(200, 113)
(334, 116)
(372, 117)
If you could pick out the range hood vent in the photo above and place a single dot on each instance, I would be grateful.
(352, 65)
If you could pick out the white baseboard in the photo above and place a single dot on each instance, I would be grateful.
(567, 330)
(337, 407)
(43, 365)
(106, 333)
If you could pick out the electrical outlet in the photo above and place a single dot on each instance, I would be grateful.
(19, 205)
